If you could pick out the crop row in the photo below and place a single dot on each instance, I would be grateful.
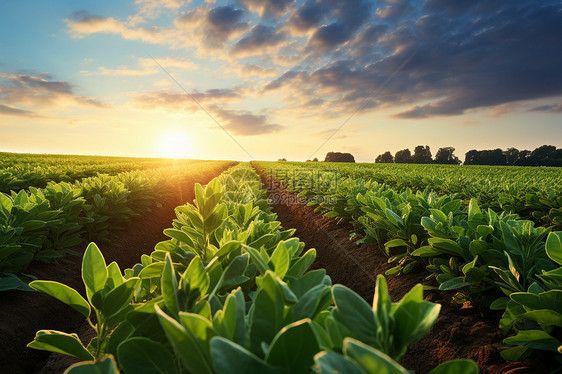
(230, 292)
(46, 223)
(21, 171)
(533, 193)
(490, 258)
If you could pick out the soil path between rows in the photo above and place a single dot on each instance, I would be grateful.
(459, 333)
(22, 314)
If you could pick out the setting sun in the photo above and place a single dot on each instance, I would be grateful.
(175, 144)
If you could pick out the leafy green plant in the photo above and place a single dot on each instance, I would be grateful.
(108, 296)
(251, 306)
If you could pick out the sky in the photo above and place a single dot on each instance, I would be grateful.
(266, 79)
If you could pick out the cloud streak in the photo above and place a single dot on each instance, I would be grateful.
(26, 95)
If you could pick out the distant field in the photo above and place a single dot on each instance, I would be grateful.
(20, 170)
(51, 203)
(523, 190)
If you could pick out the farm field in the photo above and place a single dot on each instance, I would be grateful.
(412, 223)
(275, 266)
(487, 259)
(127, 212)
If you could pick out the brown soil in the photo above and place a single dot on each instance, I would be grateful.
(22, 314)
(458, 333)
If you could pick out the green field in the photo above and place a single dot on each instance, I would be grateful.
(231, 285)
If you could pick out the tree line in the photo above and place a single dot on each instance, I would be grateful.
(546, 155)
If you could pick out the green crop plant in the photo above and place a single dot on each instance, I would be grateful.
(247, 304)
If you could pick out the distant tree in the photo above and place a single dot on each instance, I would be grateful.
(471, 157)
(385, 158)
(486, 157)
(315, 159)
(339, 157)
(542, 155)
(422, 155)
(511, 156)
(446, 155)
(282, 159)
(523, 157)
(403, 157)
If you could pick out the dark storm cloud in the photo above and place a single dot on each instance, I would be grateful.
(395, 9)
(309, 15)
(216, 26)
(453, 57)
(257, 40)
(344, 19)
(451, 8)
(268, 8)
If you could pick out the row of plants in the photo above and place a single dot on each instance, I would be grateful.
(46, 223)
(230, 292)
(496, 260)
(22, 171)
(534, 193)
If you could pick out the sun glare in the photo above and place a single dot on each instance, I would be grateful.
(175, 144)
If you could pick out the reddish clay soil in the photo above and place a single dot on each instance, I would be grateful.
(22, 314)
(460, 332)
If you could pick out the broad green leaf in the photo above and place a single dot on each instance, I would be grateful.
(453, 284)
(516, 353)
(60, 342)
(281, 260)
(114, 273)
(231, 358)
(12, 282)
(169, 286)
(293, 348)
(308, 281)
(331, 363)
(5, 203)
(302, 264)
(94, 270)
(537, 339)
(199, 327)
(371, 360)
(62, 292)
(153, 270)
(106, 365)
(119, 297)
(354, 313)
(144, 356)
(186, 348)
(414, 318)
(179, 235)
(426, 251)
(544, 317)
(545, 300)
(456, 367)
(395, 243)
(267, 315)
(554, 246)
(257, 259)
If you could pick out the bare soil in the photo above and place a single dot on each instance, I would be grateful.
(461, 332)
(22, 314)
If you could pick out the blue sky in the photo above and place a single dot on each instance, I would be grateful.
(280, 76)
